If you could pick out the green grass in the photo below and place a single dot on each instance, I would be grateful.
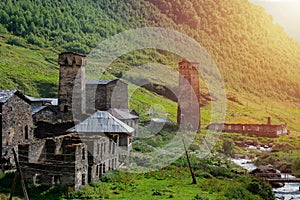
(31, 70)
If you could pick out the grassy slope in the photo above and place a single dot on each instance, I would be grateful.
(31, 70)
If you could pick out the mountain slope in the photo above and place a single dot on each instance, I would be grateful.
(258, 61)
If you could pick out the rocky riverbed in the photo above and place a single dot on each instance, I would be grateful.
(287, 192)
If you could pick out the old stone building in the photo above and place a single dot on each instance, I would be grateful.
(131, 119)
(60, 154)
(15, 121)
(72, 160)
(264, 130)
(105, 94)
(104, 124)
(188, 114)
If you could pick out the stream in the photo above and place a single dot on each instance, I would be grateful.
(289, 191)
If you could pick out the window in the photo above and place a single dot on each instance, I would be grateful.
(83, 179)
(66, 108)
(98, 149)
(83, 153)
(26, 133)
(57, 180)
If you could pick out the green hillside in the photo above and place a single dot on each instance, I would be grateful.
(258, 61)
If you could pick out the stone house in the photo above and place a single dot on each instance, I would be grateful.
(73, 160)
(15, 121)
(61, 154)
(128, 118)
(105, 94)
(104, 124)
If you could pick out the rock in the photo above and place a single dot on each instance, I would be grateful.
(240, 144)
(285, 169)
(277, 184)
(249, 142)
(238, 156)
(267, 171)
(255, 143)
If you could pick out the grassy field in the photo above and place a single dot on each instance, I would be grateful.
(215, 181)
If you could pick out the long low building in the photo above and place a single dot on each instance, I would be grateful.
(263, 130)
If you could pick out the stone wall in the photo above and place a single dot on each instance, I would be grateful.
(51, 161)
(102, 96)
(48, 114)
(265, 130)
(16, 124)
(102, 156)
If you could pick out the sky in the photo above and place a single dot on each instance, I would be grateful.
(284, 12)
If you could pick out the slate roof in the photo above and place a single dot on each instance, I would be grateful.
(35, 109)
(102, 122)
(53, 101)
(121, 114)
(5, 95)
(99, 82)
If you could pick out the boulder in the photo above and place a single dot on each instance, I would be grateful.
(266, 171)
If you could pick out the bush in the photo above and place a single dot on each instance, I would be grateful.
(296, 167)
(199, 197)
(228, 146)
(3, 30)
(261, 188)
(237, 193)
(221, 172)
(202, 174)
(35, 41)
(17, 41)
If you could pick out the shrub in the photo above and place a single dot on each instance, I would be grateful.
(17, 41)
(202, 174)
(237, 193)
(261, 188)
(296, 167)
(199, 197)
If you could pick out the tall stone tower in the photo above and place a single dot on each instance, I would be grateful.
(71, 91)
(188, 114)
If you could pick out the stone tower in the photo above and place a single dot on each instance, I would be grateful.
(188, 113)
(71, 90)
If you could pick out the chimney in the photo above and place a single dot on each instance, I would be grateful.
(269, 120)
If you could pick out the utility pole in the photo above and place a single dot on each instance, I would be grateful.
(18, 173)
(191, 169)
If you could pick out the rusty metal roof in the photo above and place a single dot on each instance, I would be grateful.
(102, 122)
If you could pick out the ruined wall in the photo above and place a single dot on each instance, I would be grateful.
(265, 130)
(189, 96)
(68, 167)
(16, 124)
(102, 156)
